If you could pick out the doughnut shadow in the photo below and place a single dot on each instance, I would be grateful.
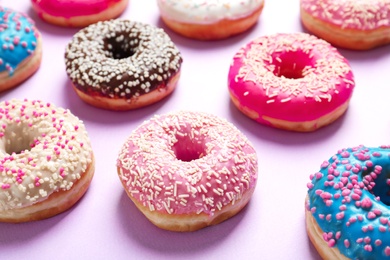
(182, 41)
(359, 55)
(102, 116)
(12, 234)
(283, 136)
(143, 232)
(368, 56)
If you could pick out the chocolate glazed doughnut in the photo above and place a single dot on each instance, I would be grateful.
(122, 65)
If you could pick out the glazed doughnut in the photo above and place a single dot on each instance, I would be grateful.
(46, 160)
(291, 81)
(210, 20)
(122, 65)
(78, 13)
(347, 212)
(185, 171)
(20, 48)
(357, 25)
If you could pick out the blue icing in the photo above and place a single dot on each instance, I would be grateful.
(17, 39)
(349, 199)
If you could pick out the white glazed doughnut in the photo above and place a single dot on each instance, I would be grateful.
(46, 160)
(210, 20)
(187, 170)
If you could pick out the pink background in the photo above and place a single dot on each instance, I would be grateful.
(106, 225)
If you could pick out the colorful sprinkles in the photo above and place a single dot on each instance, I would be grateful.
(44, 149)
(349, 200)
(121, 59)
(187, 163)
(351, 14)
(18, 39)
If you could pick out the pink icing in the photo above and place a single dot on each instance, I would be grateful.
(69, 8)
(352, 14)
(187, 163)
(293, 77)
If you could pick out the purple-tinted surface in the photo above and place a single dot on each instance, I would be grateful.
(106, 225)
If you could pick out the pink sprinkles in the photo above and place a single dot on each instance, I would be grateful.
(355, 206)
(28, 169)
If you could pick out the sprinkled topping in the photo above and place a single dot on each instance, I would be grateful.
(121, 59)
(351, 14)
(35, 159)
(210, 11)
(18, 38)
(186, 162)
(298, 70)
(357, 203)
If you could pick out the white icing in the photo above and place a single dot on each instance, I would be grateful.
(43, 149)
(207, 11)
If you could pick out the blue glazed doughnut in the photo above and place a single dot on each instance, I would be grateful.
(347, 207)
(20, 48)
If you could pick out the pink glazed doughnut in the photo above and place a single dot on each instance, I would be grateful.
(185, 171)
(351, 24)
(293, 81)
(78, 13)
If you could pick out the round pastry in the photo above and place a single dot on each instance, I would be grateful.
(46, 160)
(357, 25)
(122, 65)
(347, 212)
(78, 13)
(291, 81)
(20, 48)
(210, 20)
(185, 171)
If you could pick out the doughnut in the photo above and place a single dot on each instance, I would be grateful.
(210, 20)
(78, 13)
(351, 24)
(46, 160)
(188, 170)
(347, 206)
(291, 81)
(122, 65)
(20, 48)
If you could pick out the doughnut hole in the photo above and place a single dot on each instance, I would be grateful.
(379, 186)
(188, 149)
(18, 138)
(292, 65)
(120, 47)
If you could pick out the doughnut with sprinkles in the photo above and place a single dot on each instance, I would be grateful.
(347, 206)
(351, 24)
(122, 65)
(211, 19)
(186, 170)
(46, 160)
(291, 81)
(20, 48)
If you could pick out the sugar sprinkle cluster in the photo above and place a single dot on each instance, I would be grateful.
(187, 163)
(43, 149)
(349, 200)
(121, 59)
(351, 14)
